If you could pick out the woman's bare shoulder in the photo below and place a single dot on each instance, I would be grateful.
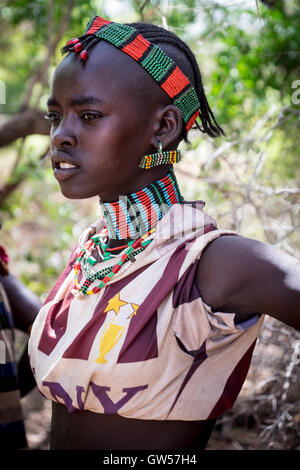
(246, 276)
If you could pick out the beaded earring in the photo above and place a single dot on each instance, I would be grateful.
(160, 158)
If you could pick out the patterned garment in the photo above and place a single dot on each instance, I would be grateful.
(12, 431)
(146, 346)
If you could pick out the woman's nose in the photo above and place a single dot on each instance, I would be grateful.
(63, 136)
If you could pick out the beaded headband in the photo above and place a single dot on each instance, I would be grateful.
(158, 65)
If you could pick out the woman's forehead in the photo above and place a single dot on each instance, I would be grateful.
(107, 70)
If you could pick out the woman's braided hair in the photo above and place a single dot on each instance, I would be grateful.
(160, 36)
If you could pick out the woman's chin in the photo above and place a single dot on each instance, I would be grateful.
(75, 193)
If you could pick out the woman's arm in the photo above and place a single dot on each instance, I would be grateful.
(238, 274)
(24, 304)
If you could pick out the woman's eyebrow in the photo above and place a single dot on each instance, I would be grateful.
(52, 102)
(78, 101)
(82, 100)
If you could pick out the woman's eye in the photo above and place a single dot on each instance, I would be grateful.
(90, 116)
(53, 117)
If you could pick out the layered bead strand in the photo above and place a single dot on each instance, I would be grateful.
(105, 274)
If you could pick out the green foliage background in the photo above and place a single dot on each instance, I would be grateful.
(249, 179)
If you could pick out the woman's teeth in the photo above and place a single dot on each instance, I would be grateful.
(65, 166)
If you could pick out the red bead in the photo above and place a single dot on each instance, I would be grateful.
(78, 47)
(116, 268)
(84, 54)
(95, 290)
(124, 257)
(72, 41)
(106, 279)
(89, 244)
(77, 266)
(136, 243)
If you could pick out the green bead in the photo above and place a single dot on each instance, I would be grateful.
(92, 260)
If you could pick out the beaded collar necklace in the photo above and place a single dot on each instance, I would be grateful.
(136, 213)
(132, 216)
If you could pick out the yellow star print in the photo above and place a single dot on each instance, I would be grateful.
(135, 307)
(115, 303)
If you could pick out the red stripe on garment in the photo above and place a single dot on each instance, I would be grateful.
(62, 277)
(142, 326)
(56, 323)
(80, 348)
(199, 358)
(233, 385)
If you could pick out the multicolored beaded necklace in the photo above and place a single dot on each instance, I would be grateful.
(123, 221)
(134, 214)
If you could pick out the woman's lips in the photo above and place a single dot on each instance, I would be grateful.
(61, 174)
(63, 166)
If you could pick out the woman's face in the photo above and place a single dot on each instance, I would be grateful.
(100, 128)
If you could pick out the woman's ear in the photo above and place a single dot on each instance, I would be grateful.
(168, 127)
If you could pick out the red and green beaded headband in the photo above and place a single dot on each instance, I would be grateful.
(161, 67)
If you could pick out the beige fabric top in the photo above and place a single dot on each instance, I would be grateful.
(146, 346)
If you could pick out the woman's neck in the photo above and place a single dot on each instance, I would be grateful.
(134, 214)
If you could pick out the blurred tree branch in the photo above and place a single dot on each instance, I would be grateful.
(16, 177)
(54, 36)
(30, 121)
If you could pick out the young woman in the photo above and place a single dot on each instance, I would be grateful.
(148, 334)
